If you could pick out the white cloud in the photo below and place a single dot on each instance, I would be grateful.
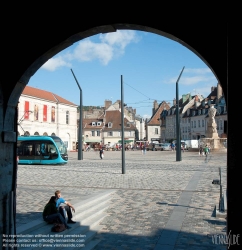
(193, 76)
(89, 51)
(111, 46)
(55, 63)
(120, 38)
(197, 71)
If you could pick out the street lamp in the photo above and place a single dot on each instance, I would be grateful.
(80, 153)
(178, 135)
(122, 125)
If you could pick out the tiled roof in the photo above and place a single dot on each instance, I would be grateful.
(154, 120)
(45, 95)
(114, 116)
(87, 123)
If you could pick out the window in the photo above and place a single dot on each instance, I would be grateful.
(45, 113)
(93, 123)
(221, 124)
(156, 131)
(110, 133)
(194, 124)
(36, 112)
(52, 114)
(98, 133)
(99, 123)
(93, 133)
(110, 124)
(67, 117)
(26, 110)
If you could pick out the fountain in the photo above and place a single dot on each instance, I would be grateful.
(212, 139)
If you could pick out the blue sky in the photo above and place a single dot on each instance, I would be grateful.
(149, 64)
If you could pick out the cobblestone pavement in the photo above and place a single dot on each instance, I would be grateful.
(145, 197)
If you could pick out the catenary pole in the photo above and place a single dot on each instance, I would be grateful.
(122, 125)
(178, 135)
(80, 153)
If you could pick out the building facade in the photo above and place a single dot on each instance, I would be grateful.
(44, 113)
(193, 116)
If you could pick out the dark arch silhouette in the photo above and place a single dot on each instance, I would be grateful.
(29, 41)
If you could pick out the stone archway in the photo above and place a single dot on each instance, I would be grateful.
(32, 51)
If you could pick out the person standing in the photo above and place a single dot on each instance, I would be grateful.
(201, 150)
(101, 153)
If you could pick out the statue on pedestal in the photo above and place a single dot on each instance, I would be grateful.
(212, 126)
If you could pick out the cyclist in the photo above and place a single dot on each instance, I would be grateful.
(206, 150)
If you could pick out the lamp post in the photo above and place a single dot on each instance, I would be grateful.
(80, 153)
(178, 136)
(122, 125)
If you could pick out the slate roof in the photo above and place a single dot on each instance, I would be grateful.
(45, 95)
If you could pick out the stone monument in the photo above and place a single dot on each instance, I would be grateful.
(212, 126)
(212, 139)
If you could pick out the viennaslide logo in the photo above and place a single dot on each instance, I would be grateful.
(224, 239)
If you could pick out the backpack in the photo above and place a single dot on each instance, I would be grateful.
(58, 227)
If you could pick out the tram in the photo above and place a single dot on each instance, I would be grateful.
(40, 150)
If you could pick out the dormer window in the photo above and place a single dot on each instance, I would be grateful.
(99, 123)
(110, 125)
(93, 123)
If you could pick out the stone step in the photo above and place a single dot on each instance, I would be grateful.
(89, 213)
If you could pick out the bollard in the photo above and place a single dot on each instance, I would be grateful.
(221, 203)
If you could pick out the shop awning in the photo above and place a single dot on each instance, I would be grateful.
(88, 141)
(125, 141)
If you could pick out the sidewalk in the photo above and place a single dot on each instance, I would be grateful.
(159, 203)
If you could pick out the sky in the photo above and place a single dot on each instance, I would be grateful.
(148, 65)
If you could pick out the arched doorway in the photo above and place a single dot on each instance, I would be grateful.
(31, 62)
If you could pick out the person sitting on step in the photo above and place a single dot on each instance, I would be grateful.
(51, 215)
(69, 208)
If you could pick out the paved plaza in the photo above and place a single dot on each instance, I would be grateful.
(159, 203)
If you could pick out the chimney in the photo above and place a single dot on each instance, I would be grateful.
(155, 106)
(107, 104)
(219, 91)
(174, 101)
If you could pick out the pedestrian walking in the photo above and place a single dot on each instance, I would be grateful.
(200, 150)
(209, 149)
(206, 150)
(101, 153)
